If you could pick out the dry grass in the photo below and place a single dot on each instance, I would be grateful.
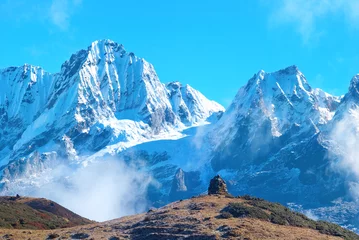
(196, 218)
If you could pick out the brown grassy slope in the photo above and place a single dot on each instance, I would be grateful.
(36, 213)
(204, 217)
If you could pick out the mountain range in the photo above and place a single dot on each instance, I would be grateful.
(280, 139)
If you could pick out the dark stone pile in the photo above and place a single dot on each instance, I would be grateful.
(217, 186)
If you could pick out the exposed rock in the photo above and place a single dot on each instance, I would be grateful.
(178, 181)
(114, 238)
(217, 186)
(53, 236)
(80, 236)
(184, 184)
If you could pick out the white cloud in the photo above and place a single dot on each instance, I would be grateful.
(104, 190)
(55, 12)
(305, 15)
(345, 134)
(61, 12)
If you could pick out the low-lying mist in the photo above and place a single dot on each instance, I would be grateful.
(101, 191)
(345, 133)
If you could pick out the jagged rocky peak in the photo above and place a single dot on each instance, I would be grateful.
(190, 105)
(100, 51)
(349, 102)
(99, 92)
(179, 180)
(269, 108)
(354, 87)
(217, 186)
(106, 50)
(289, 81)
(184, 184)
(174, 86)
(284, 97)
(178, 184)
(290, 70)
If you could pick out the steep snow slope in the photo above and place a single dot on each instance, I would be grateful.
(23, 95)
(190, 105)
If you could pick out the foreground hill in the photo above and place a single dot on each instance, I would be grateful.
(36, 213)
(215, 216)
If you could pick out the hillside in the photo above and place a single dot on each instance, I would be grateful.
(36, 213)
(215, 216)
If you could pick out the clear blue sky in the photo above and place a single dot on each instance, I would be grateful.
(215, 46)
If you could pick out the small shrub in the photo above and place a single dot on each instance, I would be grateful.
(282, 215)
(249, 197)
(114, 238)
(80, 236)
(225, 215)
(234, 233)
(239, 210)
(276, 219)
(335, 230)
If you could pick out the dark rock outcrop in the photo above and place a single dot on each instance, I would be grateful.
(217, 186)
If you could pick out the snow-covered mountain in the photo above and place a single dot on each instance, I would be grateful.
(268, 110)
(279, 139)
(103, 95)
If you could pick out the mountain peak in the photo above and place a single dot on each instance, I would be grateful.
(287, 81)
(99, 52)
(354, 85)
(25, 67)
(288, 77)
(290, 70)
(283, 99)
(105, 45)
(175, 85)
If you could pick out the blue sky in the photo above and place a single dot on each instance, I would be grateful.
(215, 46)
